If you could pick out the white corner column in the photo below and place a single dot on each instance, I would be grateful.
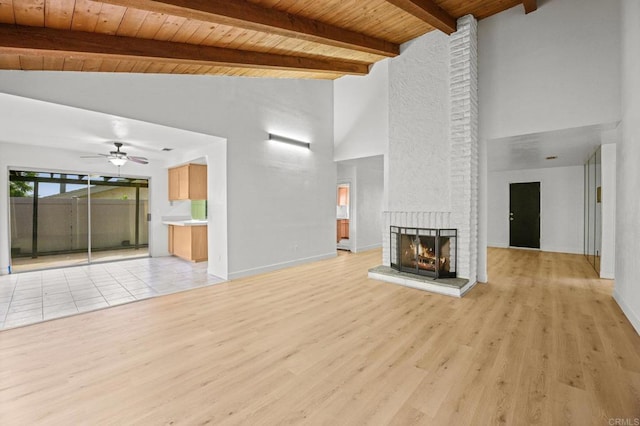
(464, 142)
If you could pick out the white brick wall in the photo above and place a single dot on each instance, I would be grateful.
(464, 142)
(463, 158)
(418, 157)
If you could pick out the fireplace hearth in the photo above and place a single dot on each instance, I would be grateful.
(424, 251)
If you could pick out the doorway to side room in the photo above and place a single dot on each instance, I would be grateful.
(343, 213)
(524, 215)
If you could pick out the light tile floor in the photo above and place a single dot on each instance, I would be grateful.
(32, 297)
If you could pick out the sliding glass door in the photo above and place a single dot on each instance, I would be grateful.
(63, 219)
(119, 209)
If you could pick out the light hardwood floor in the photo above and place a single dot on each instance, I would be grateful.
(542, 343)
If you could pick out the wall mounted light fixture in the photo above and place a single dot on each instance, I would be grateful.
(290, 141)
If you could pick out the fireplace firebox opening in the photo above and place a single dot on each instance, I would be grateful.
(424, 251)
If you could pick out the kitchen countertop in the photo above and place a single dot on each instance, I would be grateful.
(191, 222)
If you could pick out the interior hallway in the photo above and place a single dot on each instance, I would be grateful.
(543, 343)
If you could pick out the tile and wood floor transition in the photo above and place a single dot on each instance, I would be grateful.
(31, 297)
(542, 343)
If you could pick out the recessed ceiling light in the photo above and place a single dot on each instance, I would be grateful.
(551, 157)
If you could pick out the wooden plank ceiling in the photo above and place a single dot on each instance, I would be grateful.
(323, 39)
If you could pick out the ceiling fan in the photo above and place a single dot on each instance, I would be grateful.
(119, 158)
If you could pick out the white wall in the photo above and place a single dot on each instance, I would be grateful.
(370, 189)
(627, 285)
(419, 171)
(361, 135)
(561, 207)
(608, 241)
(555, 68)
(281, 207)
(361, 114)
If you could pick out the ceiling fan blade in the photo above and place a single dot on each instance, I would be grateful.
(118, 156)
(139, 160)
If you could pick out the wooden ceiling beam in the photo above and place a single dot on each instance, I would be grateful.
(429, 12)
(82, 45)
(243, 14)
(530, 6)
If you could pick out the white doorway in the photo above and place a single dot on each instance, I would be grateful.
(363, 183)
(343, 215)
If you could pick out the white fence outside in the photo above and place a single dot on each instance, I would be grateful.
(62, 224)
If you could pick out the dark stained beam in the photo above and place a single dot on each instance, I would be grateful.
(429, 12)
(243, 14)
(49, 42)
(530, 5)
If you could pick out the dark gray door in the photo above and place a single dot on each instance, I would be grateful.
(524, 214)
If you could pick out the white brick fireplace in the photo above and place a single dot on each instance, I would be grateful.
(432, 164)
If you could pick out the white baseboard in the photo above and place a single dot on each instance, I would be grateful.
(497, 245)
(570, 250)
(217, 274)
(633, 318)
(276, 266)
(369, 247)
(607, 275)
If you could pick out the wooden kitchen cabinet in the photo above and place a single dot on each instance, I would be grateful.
(343, 196)
(188, 182)
(343, 229)
(188, 242)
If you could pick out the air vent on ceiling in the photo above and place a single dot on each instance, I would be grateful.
(167, 149)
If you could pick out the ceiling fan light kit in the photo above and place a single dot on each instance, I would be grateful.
(118, 161)
(119, 158)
